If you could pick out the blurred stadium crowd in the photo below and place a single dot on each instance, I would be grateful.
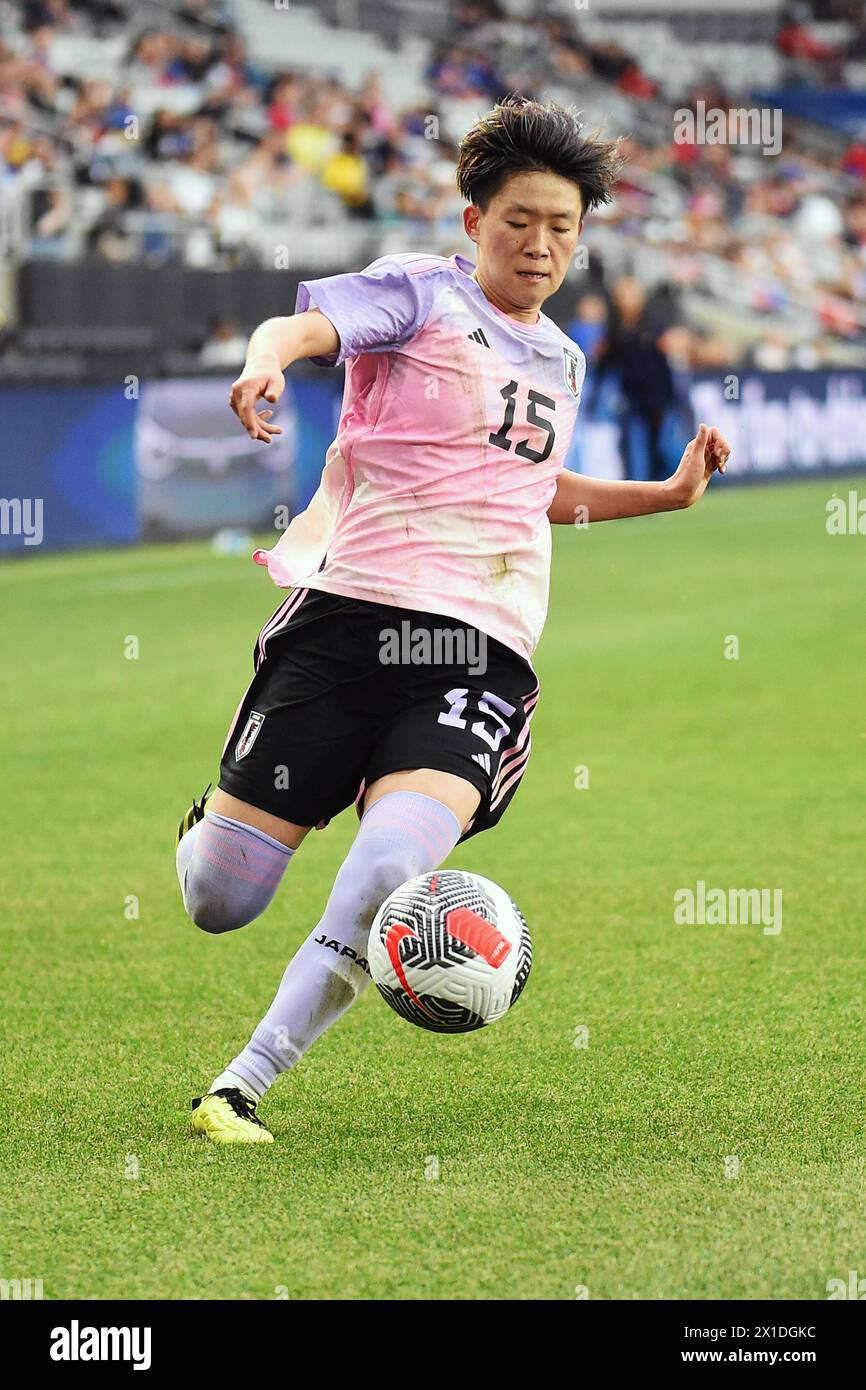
(171, 134)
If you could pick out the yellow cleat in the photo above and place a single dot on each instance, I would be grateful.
(229, 1117)
(193, 815)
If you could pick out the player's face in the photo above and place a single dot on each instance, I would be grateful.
(526, 240)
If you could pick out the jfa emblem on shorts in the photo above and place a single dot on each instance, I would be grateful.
(571, 367)
(249, 735)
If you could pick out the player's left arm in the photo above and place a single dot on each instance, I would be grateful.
(604, 499)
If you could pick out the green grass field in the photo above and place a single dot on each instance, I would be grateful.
(559, 1166)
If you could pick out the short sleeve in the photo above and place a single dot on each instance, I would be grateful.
(374, 310)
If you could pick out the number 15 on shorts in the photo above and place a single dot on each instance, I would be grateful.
(489, 705)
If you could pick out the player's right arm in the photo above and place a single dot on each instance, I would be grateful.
(274, 345)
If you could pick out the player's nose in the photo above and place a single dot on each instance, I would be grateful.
(536, 247)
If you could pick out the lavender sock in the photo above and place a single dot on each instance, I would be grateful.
(228, 872)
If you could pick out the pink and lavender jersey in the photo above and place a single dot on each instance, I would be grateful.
(456, 420)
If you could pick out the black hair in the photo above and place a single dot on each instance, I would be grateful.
(520, 135)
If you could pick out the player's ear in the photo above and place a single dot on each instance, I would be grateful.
(471, 215)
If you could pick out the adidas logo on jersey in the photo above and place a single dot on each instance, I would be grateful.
(477, 336)
(482, 759)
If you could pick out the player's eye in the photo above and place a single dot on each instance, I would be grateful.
(562, 230)
(517, 224)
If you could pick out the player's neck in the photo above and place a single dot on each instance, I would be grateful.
(528, 316)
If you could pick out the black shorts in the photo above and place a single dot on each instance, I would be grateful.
(346, 691)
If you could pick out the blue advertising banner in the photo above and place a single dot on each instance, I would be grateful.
(777, 423)
(319, 399)
(66, 468)
(785, 422)
(86, 466)
(197, 469)
(842, 108)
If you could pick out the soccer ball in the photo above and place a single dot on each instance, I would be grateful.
(449, 951)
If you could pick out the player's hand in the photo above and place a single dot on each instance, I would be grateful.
(707, 453)
(261, 378)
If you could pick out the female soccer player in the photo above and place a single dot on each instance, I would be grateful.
(431, 527)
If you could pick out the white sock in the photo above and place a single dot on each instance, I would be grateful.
(228, 1080)
(402, 834)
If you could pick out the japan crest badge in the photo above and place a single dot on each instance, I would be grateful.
(249, 735)
(571, 369)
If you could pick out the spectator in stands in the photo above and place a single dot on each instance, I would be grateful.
(225, 345)
(108, 238)
(284, 101)
(345, 173)
(588, 328)
(311, 139)
(169, 136)
(372, 101)
(632, 350)
(266, 177)
(51, 212)
(855, 223)
(44, 14)
(808, 56)
(148, 62)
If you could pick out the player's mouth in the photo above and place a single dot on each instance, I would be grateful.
(533, 277)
